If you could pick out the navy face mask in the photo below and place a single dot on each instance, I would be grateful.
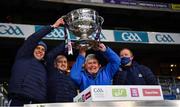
(125, 60)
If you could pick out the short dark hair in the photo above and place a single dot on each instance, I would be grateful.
(128, 50)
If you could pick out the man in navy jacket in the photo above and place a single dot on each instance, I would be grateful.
(132, 73)
(60, 86)
(28, 82)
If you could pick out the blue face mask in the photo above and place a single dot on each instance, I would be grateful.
(125, 60)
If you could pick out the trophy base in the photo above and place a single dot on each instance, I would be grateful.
(88, 44)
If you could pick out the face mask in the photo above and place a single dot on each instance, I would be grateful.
(125, 60)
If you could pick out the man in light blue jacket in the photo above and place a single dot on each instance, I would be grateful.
(93, 73)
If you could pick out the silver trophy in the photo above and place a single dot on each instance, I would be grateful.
(85, 24)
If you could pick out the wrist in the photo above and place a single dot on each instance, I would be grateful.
(52, 27)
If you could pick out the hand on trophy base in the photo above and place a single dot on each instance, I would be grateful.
(86, 43)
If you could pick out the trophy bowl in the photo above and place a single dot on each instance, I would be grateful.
(83, 23)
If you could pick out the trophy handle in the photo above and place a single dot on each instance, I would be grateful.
(101, 20)
(68, 44)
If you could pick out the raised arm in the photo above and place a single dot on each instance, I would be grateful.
(29, 45)
(113, 61)
(76, 70)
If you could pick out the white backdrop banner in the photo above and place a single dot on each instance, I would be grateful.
(164, 38)
(16, 30)
(23, 31)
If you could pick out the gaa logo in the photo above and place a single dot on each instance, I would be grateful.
(93, 36)
(164, 38)
(8, 29)
(57, 33)
(98, 90)
(127, 36)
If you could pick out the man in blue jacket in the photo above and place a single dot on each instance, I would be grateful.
(60, 86)
(93, 73)
(132, 73)
(28, 82)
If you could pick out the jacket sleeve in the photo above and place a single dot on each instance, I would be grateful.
(29, 45)
(51, 56)
(149, 76)
(76, 70)
(113, 62)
